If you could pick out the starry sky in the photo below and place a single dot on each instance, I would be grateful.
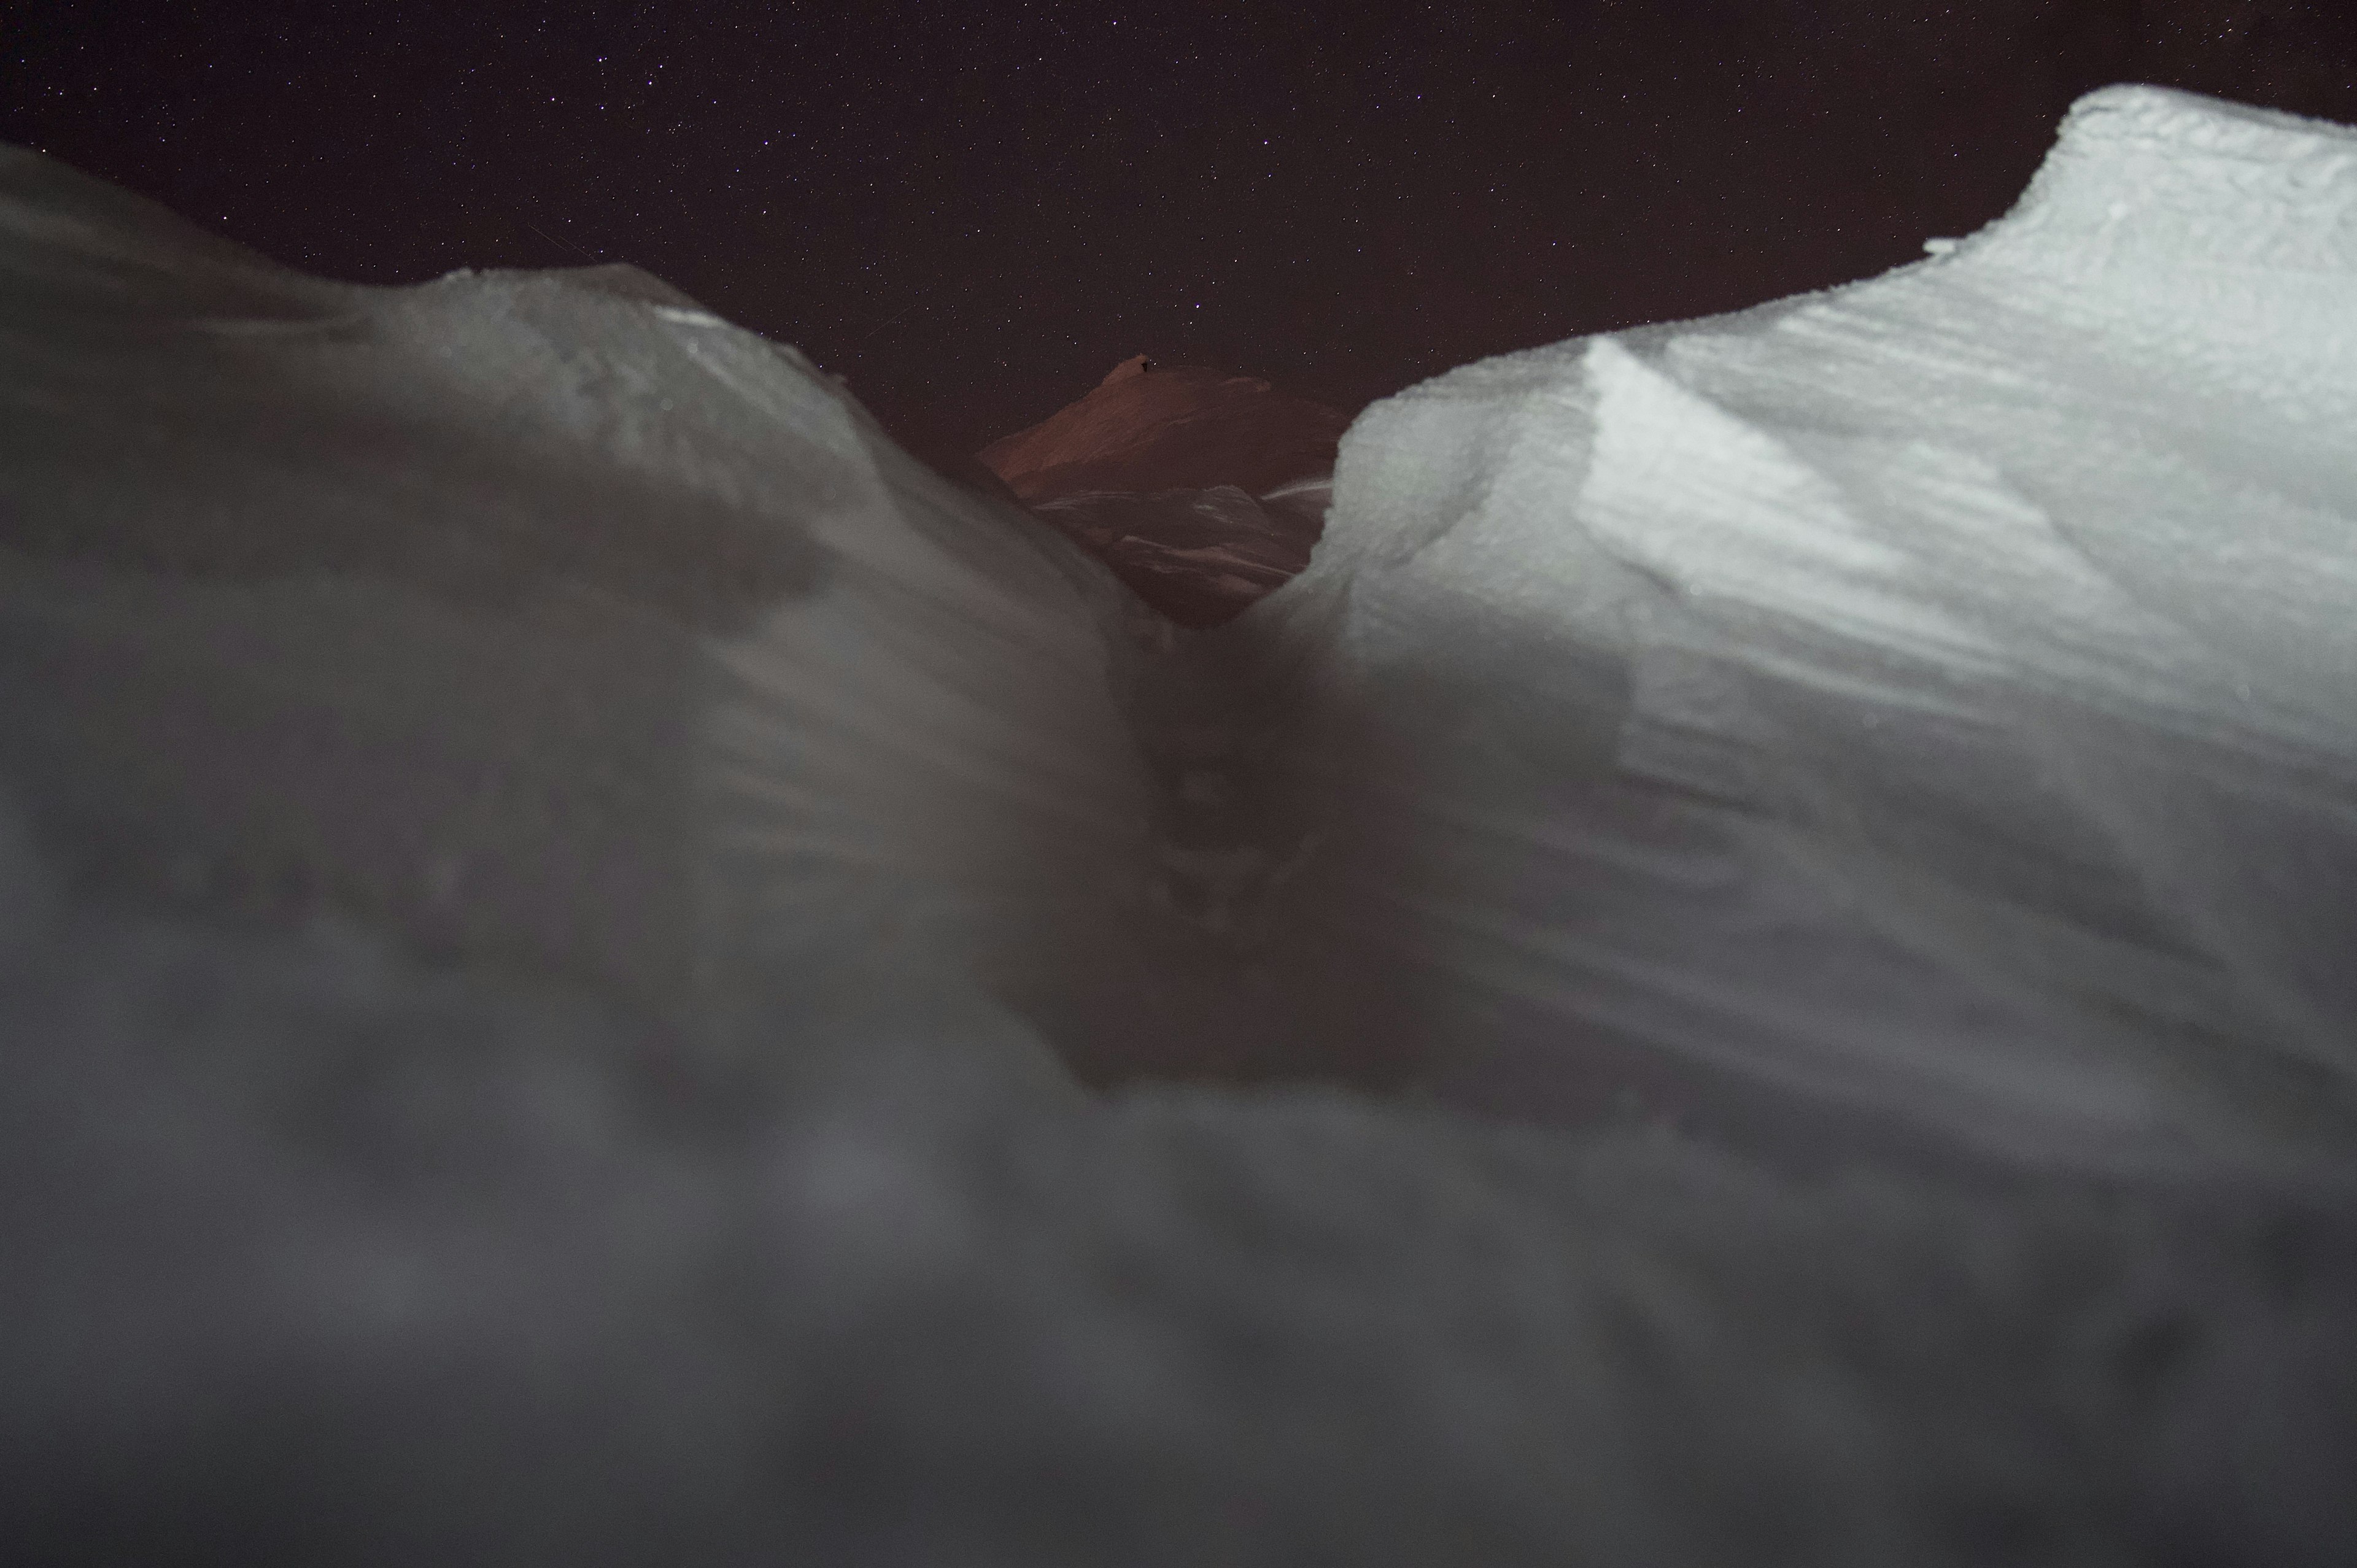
(972, 210)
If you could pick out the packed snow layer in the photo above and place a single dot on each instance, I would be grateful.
(543, 857)
(1937, 696)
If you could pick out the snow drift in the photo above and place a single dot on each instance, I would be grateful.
(543, 620)
(555, 884)
(1934, 696)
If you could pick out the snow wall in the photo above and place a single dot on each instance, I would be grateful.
(549, 867)
(543, 621)
(1937, 695)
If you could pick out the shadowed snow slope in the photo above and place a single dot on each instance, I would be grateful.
(1200, 557)
(545, 618)
(542, 861)
(1202, 490)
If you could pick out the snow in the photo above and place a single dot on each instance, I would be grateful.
(555, 886)
(533, 616)
(1962, 661)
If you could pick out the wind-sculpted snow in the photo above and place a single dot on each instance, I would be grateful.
(548, 619)
(1934, 696)
(555, 889)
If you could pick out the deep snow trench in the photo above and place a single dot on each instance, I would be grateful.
(1921, 709)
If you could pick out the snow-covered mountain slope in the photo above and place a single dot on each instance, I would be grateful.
(1150, 428)
(541, 860)
(1937, 695)
(1200, 490)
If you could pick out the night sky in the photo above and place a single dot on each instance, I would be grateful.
(973, 210)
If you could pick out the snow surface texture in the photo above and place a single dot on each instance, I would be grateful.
(1938, 695)
(543, 619)
(544, 852)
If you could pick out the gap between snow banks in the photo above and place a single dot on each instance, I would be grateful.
(1915, 711)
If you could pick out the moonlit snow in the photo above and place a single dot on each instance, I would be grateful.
(1753, 966)
(1937, 696)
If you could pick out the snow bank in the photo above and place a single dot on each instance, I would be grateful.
(1934, 696)
(540, 854)
(318, 1255)
(542, 619)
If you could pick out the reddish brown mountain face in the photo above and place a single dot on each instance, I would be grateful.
(1171, 475)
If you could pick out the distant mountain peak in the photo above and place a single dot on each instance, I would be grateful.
(1136, 365)
(1173, 477)
(1178, 427)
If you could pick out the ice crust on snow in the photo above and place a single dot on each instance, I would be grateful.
(548, 868)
